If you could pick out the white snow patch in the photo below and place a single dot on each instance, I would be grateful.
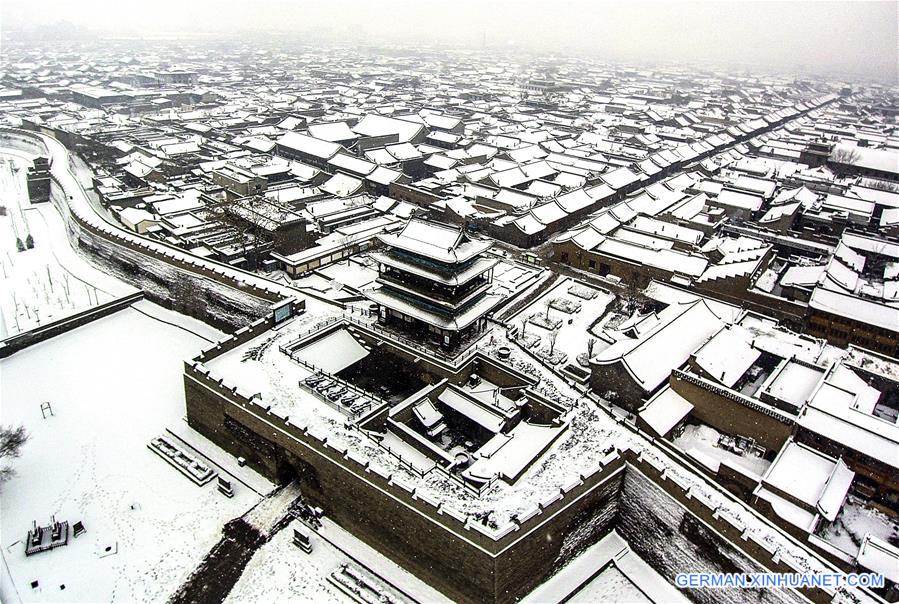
(113, 385)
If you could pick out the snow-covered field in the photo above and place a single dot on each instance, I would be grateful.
(43, 283)
(113, 385)
(33, 288)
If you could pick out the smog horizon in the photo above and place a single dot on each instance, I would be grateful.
(855, 41)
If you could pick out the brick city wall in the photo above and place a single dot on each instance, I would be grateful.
(193, 287)
(675, 532)
(446, 547)
(554, 544)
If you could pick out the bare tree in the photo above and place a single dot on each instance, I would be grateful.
(630, 294)
(591, 342)
(552, 340)
(11, 442)
(229, 214)
(844, 155)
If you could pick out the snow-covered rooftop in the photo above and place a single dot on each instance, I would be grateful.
(649, 359)
(437, 241)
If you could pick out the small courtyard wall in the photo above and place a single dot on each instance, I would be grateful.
(23, 340)
(732, 413)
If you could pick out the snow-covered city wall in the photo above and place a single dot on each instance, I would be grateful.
(242, 335)
(187, 292)
(683, 535)
(170, 277)
(435, 540)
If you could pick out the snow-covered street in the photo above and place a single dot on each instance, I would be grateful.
(280, 571)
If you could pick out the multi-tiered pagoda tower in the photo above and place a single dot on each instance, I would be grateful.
(433, 282)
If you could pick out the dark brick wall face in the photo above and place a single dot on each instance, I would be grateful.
(530, 561)
(454, 565)
(665, 526)
(672, 540)
(732, 417)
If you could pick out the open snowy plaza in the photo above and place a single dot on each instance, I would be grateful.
(112, 386)
(43, 281)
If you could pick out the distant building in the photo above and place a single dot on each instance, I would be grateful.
(540, 87)
(175, 77)
(38, 180)
(138, 220)
(864, 161)
(239, 182)
(854, 300)
(91, 96)
(285, 228)
(307, 149)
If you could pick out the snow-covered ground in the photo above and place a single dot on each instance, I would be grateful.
(47, 282)
(854, 521)
(611, 585)
(572, 337)
(113, 385)
(701, 443)
(281, 572)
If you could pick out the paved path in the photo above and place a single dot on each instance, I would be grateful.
(220, 570)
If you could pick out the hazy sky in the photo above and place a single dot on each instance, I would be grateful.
(850, 37)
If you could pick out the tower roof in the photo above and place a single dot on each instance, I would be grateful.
(439, 242)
